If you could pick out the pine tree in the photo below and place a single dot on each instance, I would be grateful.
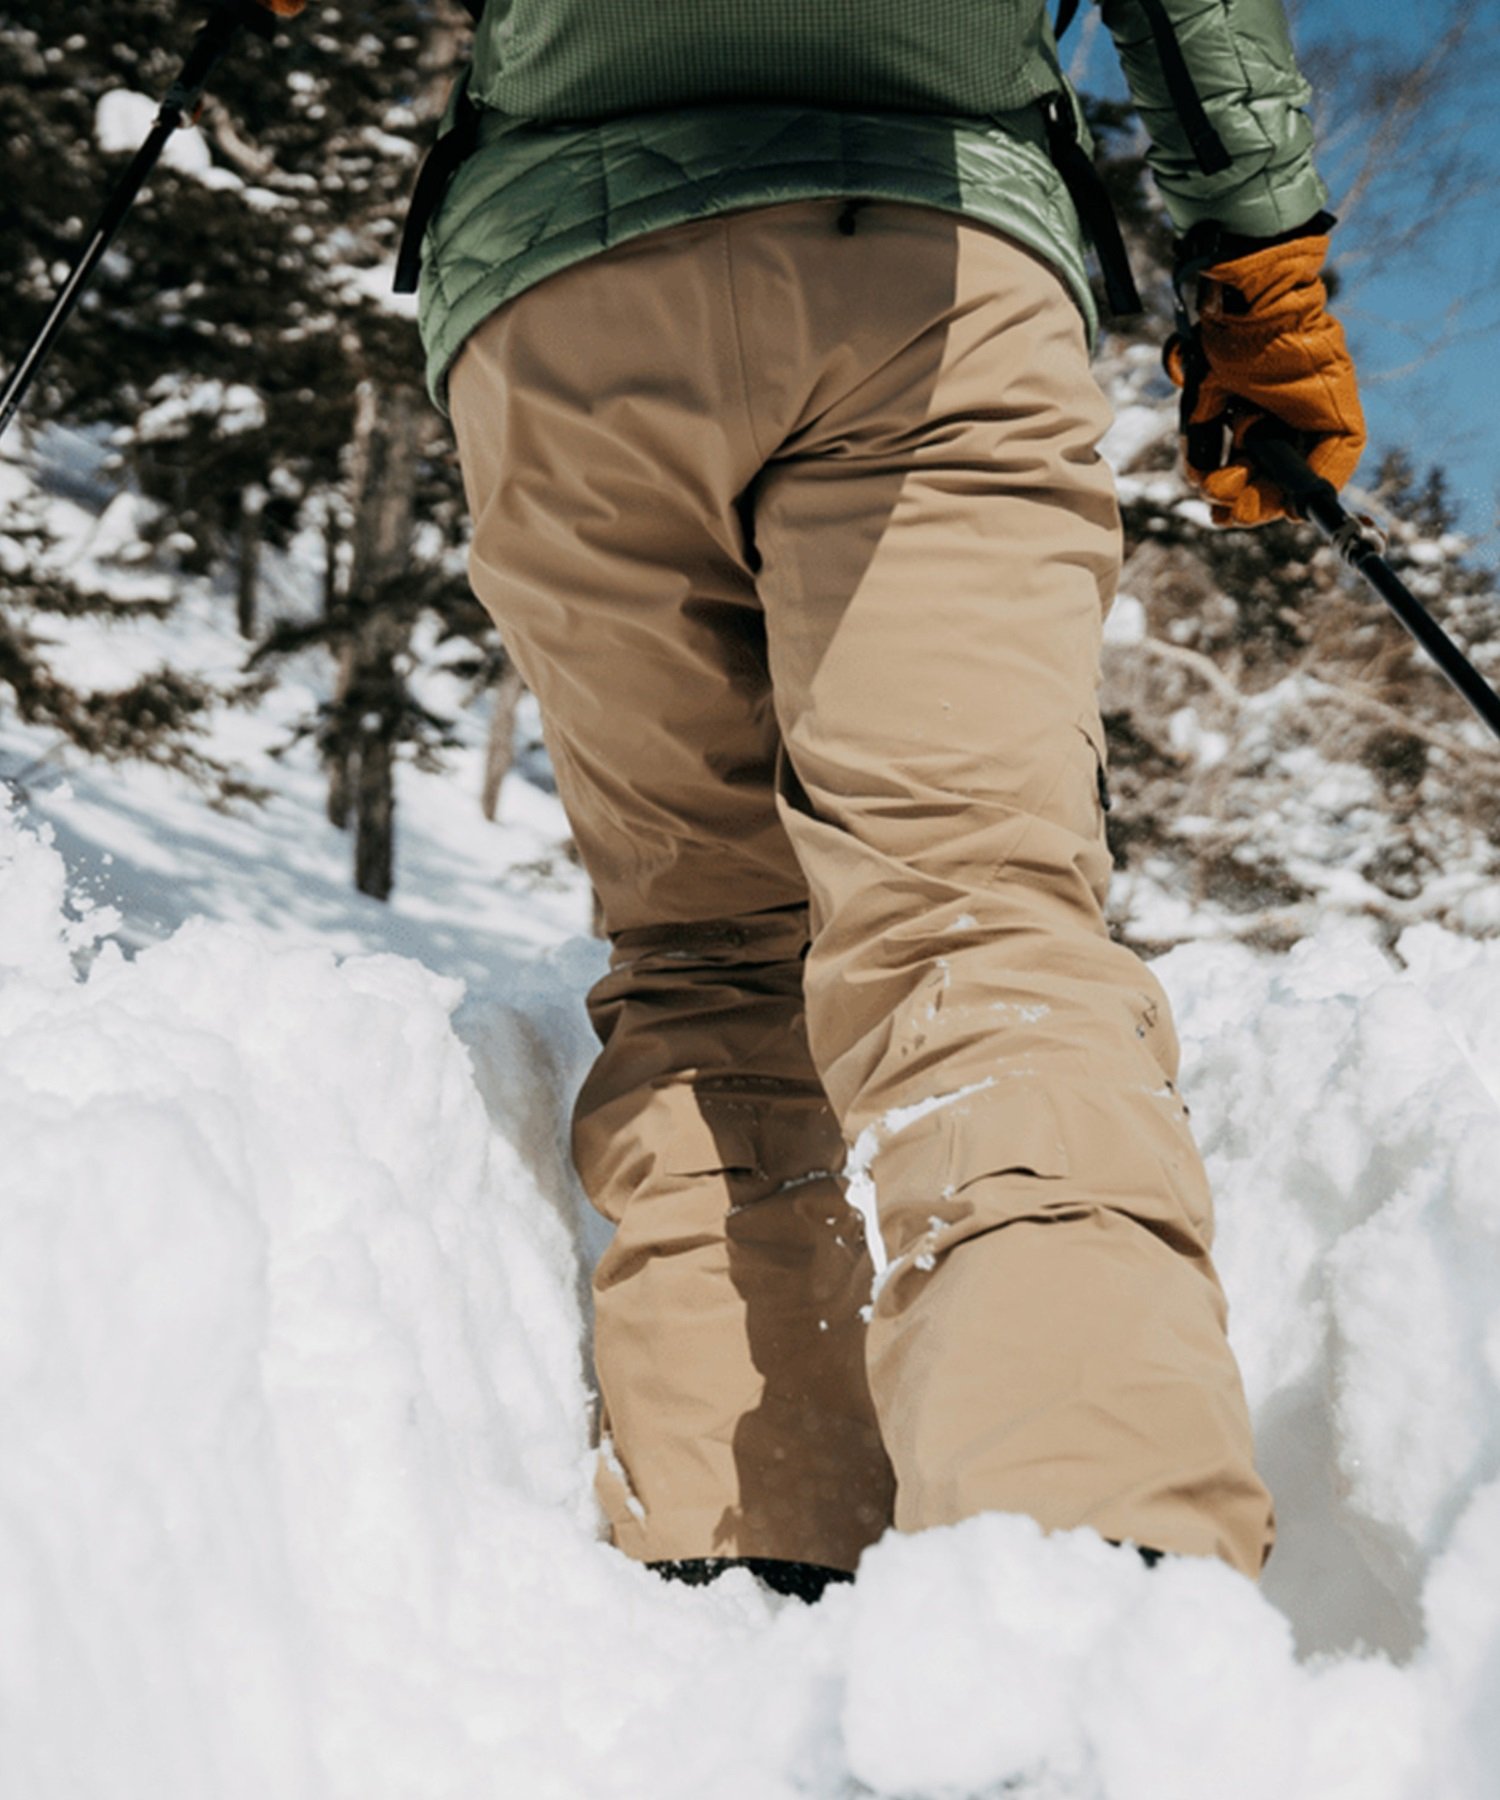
(245, 306)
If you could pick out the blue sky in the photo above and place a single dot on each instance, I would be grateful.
(1431, 381)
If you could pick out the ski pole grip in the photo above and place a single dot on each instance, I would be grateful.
(1273, 451)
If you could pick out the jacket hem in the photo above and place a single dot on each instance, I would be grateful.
(465, 305)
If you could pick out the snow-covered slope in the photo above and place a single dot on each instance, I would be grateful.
(293, 1395)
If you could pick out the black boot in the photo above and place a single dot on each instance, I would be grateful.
(1147, 1555)
(805, 1581)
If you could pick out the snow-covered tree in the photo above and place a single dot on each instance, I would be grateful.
(245, 306)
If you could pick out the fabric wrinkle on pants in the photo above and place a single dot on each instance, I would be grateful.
(802, 540)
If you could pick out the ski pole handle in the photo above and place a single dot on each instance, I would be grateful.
(1274, 451)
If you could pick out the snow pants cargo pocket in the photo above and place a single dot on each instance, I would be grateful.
(1018, 1148)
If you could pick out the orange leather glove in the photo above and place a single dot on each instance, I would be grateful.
(1265, 342)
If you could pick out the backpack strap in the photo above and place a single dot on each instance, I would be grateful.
(437, 170)
(1089, 195)
(1208, 147)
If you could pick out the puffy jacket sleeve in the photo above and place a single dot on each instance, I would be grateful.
(1240, 58)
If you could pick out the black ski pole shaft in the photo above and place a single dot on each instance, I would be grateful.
(180, 105)
(1279, 460)
(103, 234)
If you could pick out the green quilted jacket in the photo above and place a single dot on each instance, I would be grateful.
(600, 119)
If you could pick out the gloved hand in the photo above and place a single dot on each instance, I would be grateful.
(1265, 342)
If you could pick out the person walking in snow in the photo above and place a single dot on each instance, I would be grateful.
(765, 332)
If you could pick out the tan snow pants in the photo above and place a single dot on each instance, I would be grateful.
(800, 537)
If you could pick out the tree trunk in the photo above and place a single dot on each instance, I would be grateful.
(371, 702)
(332, 740)
(375, 816)
(330, 559)
(337, 749)
(370, 697)
(252, 505)
(501, 749)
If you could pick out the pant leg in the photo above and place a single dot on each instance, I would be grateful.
(939, 541)
(937, 537)
(729, 1334)
(604, 445)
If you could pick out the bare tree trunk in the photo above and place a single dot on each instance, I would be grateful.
(501, 749)
(375, 816)
(370, 699)
(338, 754)
(252, 505)
(377, 700)
(338, 757)
(330, 558)
(371, 704)
(332, 738)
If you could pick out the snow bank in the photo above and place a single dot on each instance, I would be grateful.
(294, 1497)
(266, 1274)
(1350, 1115)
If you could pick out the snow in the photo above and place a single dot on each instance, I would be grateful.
(1125, 623)
(377, 286)
(232, 407)
(1134, 430)
(860, 1182)
(1189, 737)
(123, 121)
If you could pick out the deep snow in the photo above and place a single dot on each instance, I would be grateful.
(295, 1497)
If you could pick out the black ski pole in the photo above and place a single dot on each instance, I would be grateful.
(1360, 545)
(179, 107)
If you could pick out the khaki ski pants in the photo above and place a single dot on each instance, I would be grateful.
(800, 537)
